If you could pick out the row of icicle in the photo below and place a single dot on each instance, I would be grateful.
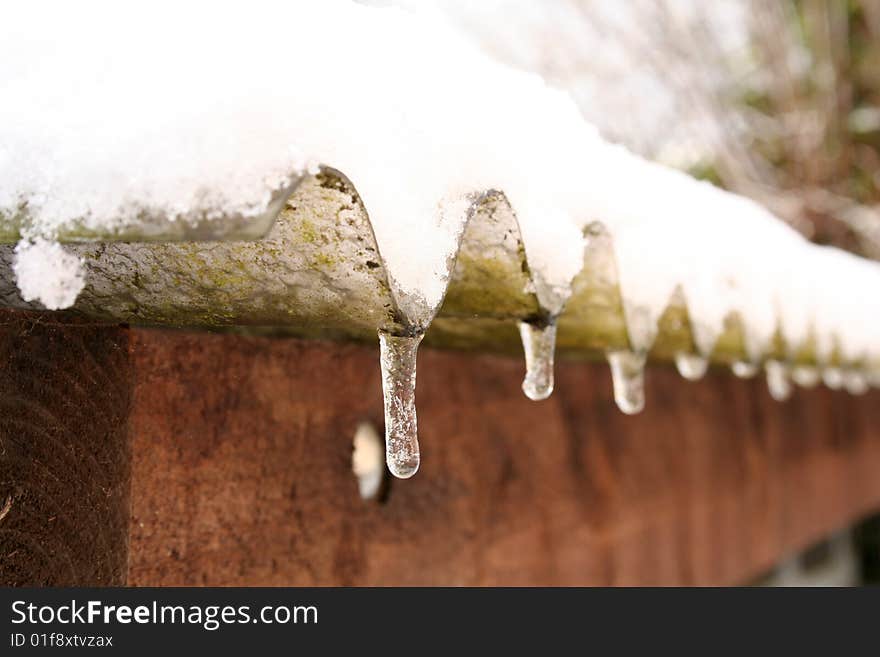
(398, 355)
(398, 363)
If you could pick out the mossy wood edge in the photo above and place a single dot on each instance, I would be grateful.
(310, 267)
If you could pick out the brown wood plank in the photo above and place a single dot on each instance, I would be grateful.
(241, 472)
(240, 468)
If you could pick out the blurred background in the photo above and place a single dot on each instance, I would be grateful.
(773, 100)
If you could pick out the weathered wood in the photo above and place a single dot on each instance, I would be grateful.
(64, 460)
(240, 469)
(242, 452)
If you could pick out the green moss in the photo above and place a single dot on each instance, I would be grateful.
(307, 231)
(323, 260)
(488, 287)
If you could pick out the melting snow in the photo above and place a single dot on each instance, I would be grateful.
(45, 272)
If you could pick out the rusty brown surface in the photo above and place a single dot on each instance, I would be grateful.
(242, 450)
(65, 389)
(240, 457)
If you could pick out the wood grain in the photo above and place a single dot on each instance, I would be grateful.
(191, 458)
(241, 472)
(65, 389)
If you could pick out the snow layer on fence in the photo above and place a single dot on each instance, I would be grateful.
(110, 111)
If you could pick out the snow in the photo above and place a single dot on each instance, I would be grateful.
(48, 274)
(651, 74)
(187, 110)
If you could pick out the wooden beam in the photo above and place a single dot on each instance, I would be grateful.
(242, 472)
(240, 467)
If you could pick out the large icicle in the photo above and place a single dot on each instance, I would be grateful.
(398, 362)
(628, 378)
(539, 345)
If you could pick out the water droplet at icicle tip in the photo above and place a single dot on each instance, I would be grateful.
(743, 369)
(832, 377)
(398, 363)
(539, 347)
(806, 376)
(628, 380)
(855, 382)
(777, 380)
(692, 367)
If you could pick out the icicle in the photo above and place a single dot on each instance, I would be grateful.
(833, 377)
(705, 338)
(855, 382)
(777, 380)
(691, 366)
(628, 377)
(641, 326)
(398, 361)
(805, 376)
(539, 345)
(743, 369)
